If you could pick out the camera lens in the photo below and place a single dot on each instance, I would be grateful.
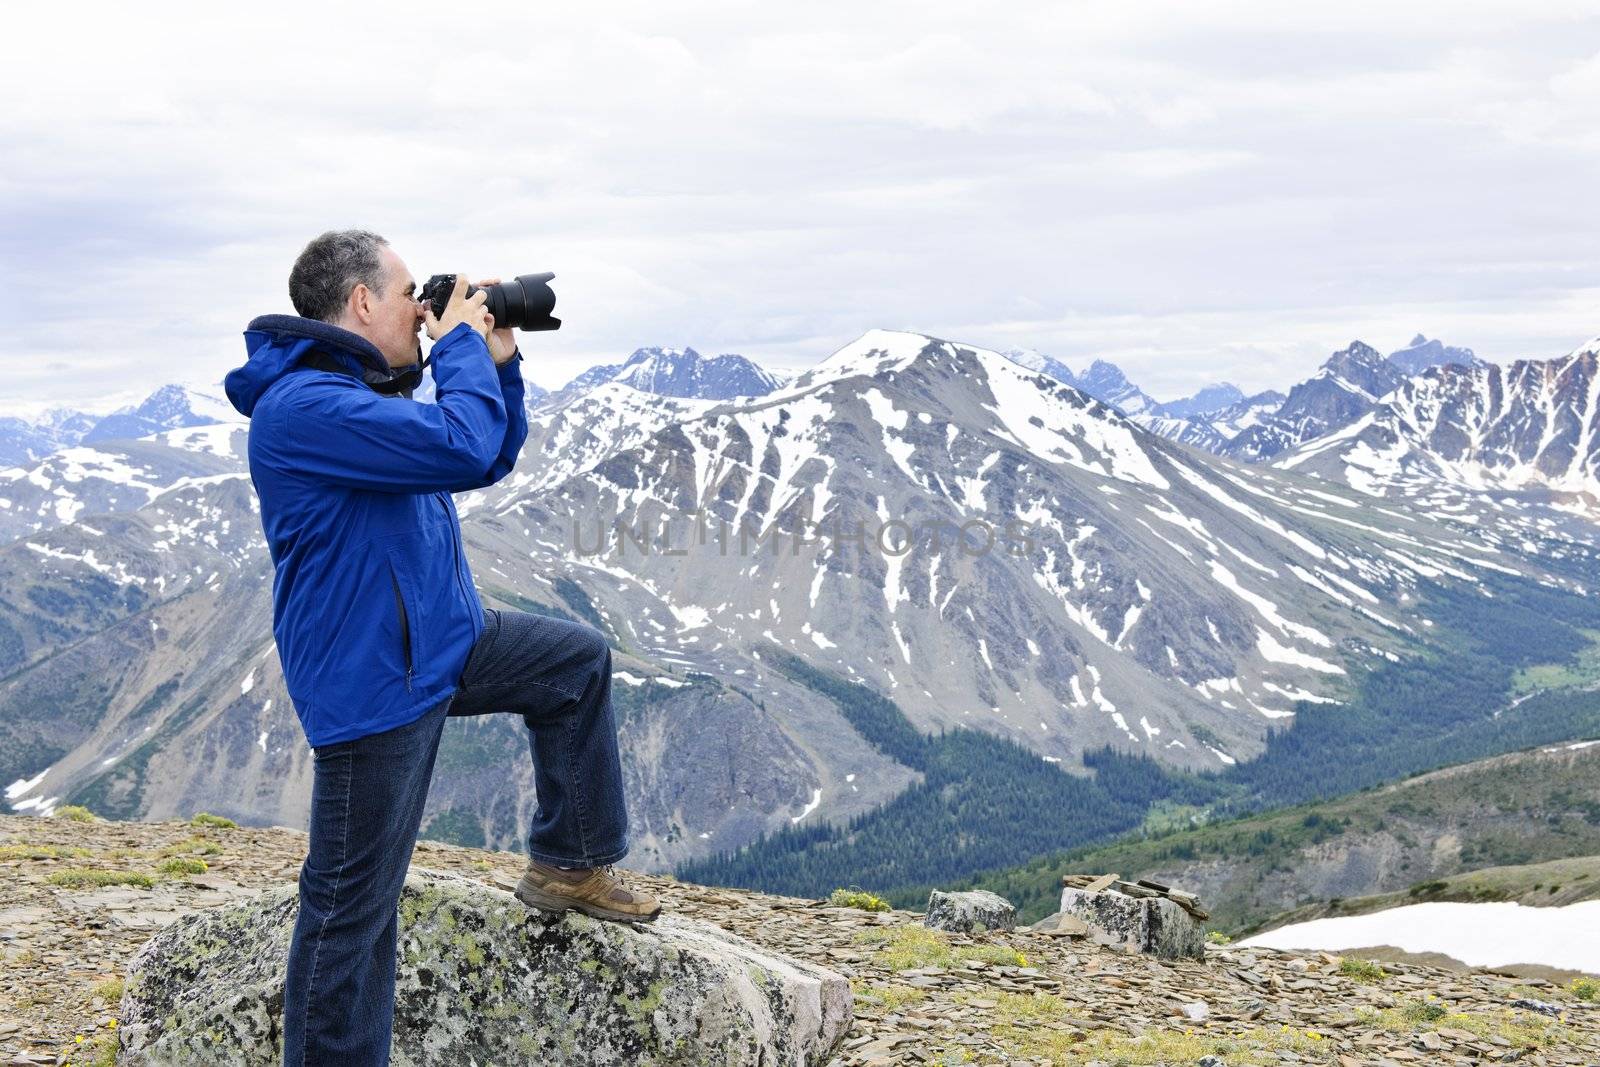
(524, 303)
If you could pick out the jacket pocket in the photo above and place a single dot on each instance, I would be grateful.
(405, 625)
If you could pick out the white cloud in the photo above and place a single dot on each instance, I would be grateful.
(1196, 191)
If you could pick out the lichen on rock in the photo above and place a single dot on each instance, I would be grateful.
(482, 978)
(975, 910)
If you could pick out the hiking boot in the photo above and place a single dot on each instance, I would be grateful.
(595, 891)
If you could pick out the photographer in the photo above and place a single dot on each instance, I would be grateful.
(379, 629)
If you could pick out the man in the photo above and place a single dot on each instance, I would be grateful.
(381, 634)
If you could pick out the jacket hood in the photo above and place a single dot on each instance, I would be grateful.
(276, 344)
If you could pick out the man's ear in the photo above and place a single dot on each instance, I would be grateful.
(360, 304)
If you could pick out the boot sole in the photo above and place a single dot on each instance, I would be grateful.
(536, 898)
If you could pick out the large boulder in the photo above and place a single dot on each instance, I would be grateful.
(481, 978)
(1153, 925)
(966, 912)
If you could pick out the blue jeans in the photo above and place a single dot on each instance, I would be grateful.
(366, 806)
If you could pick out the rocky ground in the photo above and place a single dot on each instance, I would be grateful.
(78, 898)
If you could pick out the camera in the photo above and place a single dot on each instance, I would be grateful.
(524, 303)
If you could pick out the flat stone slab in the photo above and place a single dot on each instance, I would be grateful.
(482, 978)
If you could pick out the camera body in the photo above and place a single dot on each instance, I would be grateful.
(524, 303)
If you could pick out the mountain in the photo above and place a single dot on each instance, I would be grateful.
(1422, 353)
(168, 408)
(1105, 381)
(1213, 430)
(672, 372)
(1038, 361)
(1211, 400)
(1348, 386)
(23, 441)
(1221, 419)
(116, 476)
(1532, 425)
(1526, 807)
(991, 560)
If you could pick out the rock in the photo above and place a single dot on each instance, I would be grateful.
(1196, 1011)
(1152, 925)
(1210, 1061)
(482, 978)
(965, 912)
(1062, 924)
(1543, 1007)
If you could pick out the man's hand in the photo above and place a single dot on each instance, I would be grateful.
(461, 308)
(502, 343)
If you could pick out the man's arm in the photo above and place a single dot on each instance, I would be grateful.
(343, 433)
(512, 391)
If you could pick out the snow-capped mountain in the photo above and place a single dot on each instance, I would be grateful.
(1422, 353)
(1348, 386)
(168, 408)
(1038, 361)
(23, 441)
(1220, 419)
(1208, 401)
(1531, 425)
(1212, 431)
(682, 373)
(1103, 380)
(976, 540)
(114, 476)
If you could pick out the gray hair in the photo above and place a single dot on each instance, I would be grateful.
(330, 267)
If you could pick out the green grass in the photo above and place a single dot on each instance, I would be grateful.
(75, 812)
(900, 948)
(191, 845)
(1583, 670)
(1362, 970)
(1041, 1026)
(181, 865)
(857, 898)
(41, 852)
(1522, 1030)
(887, 998)
(1586, 989)
(205, 818)
(90, 878)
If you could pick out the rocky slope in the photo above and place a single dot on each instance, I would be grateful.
(1516, 809)
(1551, 884)
(1025, 997)
(1531, 426)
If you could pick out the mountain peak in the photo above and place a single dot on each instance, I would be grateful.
(1208, 401)
(1423, 353)
(682, 373)
(1106, 382)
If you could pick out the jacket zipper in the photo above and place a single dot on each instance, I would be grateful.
(405, 625)
(455, 544)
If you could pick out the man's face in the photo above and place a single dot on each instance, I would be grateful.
(396, 316)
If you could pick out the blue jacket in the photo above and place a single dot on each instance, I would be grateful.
(373, 606)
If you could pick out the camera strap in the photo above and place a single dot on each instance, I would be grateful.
(403, 383)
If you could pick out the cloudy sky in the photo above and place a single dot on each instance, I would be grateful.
(1193, 191)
